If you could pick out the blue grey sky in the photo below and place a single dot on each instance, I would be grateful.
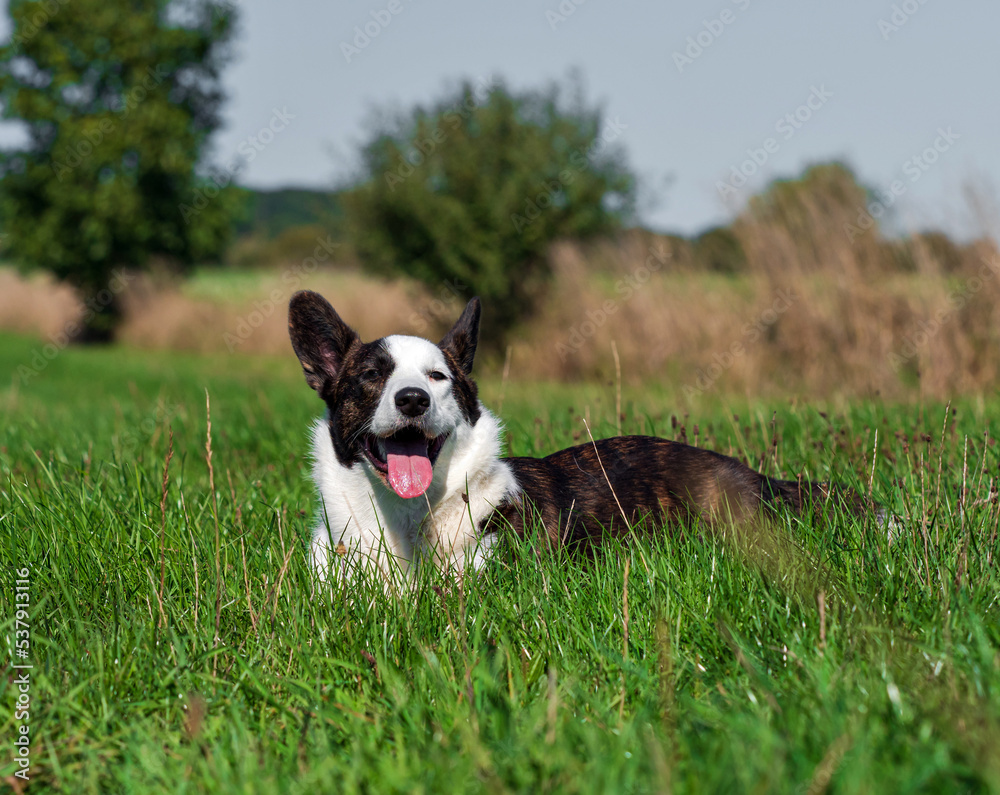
(892, 75)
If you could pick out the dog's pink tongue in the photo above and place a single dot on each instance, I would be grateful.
(410, 470)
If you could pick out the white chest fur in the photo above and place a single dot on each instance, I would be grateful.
(362, 524)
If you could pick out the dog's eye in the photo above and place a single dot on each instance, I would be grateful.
(370, 374)
(437, 375)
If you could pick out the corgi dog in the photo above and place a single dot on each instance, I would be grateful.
(410, 470)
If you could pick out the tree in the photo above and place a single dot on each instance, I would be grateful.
(468, 193)
(119, 98)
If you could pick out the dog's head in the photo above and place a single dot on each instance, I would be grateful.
(394, 402)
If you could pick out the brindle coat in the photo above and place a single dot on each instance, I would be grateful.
(606, 488)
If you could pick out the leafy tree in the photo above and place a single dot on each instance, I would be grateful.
(469, 193)
(119, 98)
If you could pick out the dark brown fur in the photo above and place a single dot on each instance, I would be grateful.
(603, 489)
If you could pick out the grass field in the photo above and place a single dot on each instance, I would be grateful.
(179, 643)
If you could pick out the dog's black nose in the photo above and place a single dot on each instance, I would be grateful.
(412, 401)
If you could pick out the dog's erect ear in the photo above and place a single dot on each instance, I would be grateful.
(461, 341)
(320, 338)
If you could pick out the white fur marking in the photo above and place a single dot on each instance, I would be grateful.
(376, 526)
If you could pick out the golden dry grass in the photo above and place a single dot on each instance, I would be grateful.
(35, 304)
(172, 318)
(813, 312)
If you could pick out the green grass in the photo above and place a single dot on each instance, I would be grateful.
(223, 286)
(242, 675)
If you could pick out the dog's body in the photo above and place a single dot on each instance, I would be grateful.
(408, 462)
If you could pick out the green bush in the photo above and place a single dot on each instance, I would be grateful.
(719, 250)
(471, 191)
